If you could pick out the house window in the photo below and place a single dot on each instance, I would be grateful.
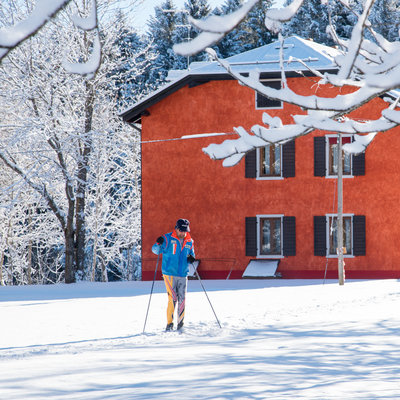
(332, 153)
(270, 161)
(263, 102)
(325, 235)
(270, 236)
(332, 235)
(326, 158)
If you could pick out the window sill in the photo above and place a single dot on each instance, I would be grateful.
(344, 256)
(269, 108)
(269, 257)
(270, 178)
(335, 176)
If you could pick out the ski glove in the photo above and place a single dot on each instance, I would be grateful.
(190, 259)
(160, 240)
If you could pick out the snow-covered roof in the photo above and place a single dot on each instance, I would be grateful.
(298, 54)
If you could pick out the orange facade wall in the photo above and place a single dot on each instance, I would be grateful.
(180, 181)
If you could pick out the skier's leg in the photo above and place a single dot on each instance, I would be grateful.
(181, 294)
(169, 284)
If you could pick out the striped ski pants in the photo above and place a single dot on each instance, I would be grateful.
(176, 289)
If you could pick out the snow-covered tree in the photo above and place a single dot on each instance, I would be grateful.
(161, 36)
(315, 16)
(254, 24)
(197, 9)
(12, 35)
(385, 18)
(312, 19)
(113, 214)
(134, 58)
(58, 117)
(249, 34)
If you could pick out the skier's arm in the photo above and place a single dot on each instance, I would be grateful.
(158, 246)
(191, 256)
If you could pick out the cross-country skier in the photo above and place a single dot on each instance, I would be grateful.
(177, 253)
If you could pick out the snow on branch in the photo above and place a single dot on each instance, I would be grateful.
(11, 37)
(274, 17)
(87, 24)
(355, 43)
(340, 104)
(91, 66)
(224, 24)
(214, 28)
(360, 143)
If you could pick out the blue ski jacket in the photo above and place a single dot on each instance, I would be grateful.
(174, 255)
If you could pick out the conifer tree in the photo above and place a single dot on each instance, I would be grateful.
(161, 38)
(385, 17)
(197, 9)
(249, 34)
(135, 57)
(312, 20)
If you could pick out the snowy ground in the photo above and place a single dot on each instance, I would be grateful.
(279, 340)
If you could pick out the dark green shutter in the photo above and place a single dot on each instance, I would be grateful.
(289, 236)
(288, 162)
(319, 156)
(320, 236)
(250, 161)
(251, 236)
(359, 247)
(359, 164)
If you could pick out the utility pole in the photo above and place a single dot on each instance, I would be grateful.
(340, 212)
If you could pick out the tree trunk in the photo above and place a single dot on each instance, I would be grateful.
(69, 244)
(69, 256)
(29, 255)
(83, 167)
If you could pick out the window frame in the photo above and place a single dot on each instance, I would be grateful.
(259, 175)
(328, 236)
(256, 94)
(328, 157)
(259, 219)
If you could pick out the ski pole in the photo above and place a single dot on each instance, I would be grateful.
(212, 308)
(151, 292)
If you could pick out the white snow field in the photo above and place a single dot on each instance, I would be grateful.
(280, 339)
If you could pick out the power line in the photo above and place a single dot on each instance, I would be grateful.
(185, 137)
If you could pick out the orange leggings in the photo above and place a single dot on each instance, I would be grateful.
(176, 289)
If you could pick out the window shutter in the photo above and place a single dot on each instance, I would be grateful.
(320, 236)
(288, 154)
(289, 236)
(265, 102)
(359, 164)
(319, 156)
(359, 248)
(250, 168)
(251, 236)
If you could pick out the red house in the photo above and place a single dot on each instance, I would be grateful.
(278, 206)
